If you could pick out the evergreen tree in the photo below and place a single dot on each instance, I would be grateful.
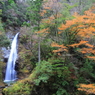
(34, 10)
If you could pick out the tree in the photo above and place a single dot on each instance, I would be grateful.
(13, 13)
(4, 41)
(82, 27)
(34, 10)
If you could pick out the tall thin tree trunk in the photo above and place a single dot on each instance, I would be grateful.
(39, 51)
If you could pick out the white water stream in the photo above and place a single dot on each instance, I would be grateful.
(11, 74)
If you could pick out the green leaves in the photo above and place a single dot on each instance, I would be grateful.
(13, 14)
(44, 70)
(34, 11)
(4, 41)
(11, 1)
(18, 89)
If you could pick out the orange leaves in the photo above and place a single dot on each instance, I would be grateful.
(87, 32)
(74, 45)
(48, 8)
(43, 12)
(89, 13)
(78, 44)
(43, 31)
(83, 25)
(88, 88)
(61, 48)
(51, 18)
(91, 57)
(57, 45)
(67, 25)
(87, 50)
(82, 42)
(63, 27)
(89, 45)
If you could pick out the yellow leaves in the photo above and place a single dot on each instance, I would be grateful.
(88, 88)
(61, 48)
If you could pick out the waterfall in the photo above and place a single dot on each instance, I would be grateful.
(11, 74)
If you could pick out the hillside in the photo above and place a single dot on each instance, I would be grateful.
(56, 50)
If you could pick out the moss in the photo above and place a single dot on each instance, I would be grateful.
(22, 87)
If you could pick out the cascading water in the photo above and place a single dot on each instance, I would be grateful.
(11, 74)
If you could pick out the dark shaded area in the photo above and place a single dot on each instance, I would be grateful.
(5, 60)
(68, 1)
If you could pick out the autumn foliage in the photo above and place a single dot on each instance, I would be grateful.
(88, 88)
(61, 47)
(83, 28)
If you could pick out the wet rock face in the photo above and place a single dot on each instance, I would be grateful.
(3, 72)
(10, 33)
(5, 60)
(6, 52)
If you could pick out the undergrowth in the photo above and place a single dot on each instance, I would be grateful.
(52, 77)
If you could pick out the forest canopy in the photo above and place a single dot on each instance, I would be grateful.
(56, 46)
